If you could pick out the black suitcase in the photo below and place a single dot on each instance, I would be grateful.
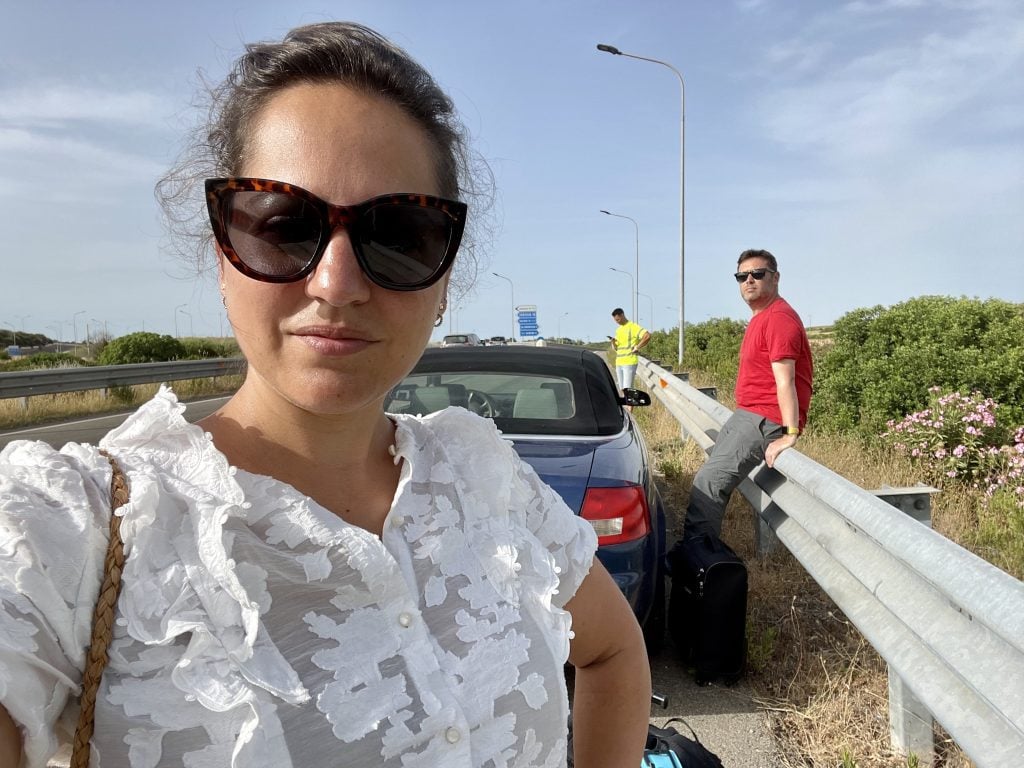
(707, 614)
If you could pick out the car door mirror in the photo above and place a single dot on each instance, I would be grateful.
(634, 397)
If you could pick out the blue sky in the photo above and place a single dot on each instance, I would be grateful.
(875, 146)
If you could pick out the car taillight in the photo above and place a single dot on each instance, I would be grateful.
(617, 514)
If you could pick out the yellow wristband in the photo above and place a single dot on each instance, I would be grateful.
(792, 430)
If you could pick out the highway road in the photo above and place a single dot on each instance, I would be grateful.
(92, 428)
(726, 719)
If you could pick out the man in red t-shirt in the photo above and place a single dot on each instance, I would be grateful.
(773, 392)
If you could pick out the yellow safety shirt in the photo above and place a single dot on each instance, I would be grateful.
(625, 337)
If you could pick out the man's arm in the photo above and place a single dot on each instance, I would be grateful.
(644, 338)
(10, 740)
(612, 699)
(785, 387)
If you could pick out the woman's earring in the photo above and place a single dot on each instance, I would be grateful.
(440, 313)
(223, 297)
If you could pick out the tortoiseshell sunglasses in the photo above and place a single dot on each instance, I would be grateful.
(277, 232)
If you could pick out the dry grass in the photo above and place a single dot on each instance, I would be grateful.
(46, 408)
(824, 689)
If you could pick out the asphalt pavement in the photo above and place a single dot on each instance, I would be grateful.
(725, 718)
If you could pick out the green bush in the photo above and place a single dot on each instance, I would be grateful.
(202, 349)
(141, 347)
(883, 361)
(44, 360)
(712, 347)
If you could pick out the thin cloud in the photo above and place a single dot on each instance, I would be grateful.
(69, 167)
(60, 104)
(897, 97)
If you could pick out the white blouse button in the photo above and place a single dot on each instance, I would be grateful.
(452, 735)
(397, 520)
(558, 569)
(517, 567)
(404, 619)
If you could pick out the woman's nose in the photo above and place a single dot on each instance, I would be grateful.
(338, 279)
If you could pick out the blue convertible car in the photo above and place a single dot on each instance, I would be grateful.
(563, 413)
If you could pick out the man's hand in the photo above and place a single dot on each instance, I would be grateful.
(777, 446)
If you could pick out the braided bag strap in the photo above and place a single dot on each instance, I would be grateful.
(102, 619)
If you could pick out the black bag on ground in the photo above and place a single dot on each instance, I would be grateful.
(690, 752)
(707, 615)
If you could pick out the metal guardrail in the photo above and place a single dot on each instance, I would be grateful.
(53, 380)
(949, 625)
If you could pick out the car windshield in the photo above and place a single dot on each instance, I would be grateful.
(523, 392)
(518, 395)
(456, 340)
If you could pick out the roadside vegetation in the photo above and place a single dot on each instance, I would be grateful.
(949, 414)
(131, 348)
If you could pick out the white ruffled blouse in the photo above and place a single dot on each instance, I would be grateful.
(255, 628)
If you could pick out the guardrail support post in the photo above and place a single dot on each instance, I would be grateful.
(24, 404)
(910, 722)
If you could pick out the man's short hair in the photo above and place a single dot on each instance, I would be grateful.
(759, 254)
(618, 311)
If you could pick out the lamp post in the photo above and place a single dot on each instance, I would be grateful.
(636, 267)
(74, 324)
(176, 310)
(59, 328)
(650, 302)
(631, 288)
(187, 314)
(682, 180)
(14, 328)
(106, 335)
(560, 325)
(513, 289)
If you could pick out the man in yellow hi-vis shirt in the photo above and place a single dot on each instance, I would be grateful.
(628, 339)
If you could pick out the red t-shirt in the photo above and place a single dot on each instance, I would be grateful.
(775, 333)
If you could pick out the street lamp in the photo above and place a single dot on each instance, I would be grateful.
(560, 325)
(631, 288)
(191, 331)
(650, 302)
(106, 335)
(176, 310)
(682, 179)
(513, 289)
(636, 269)
(59, 328)
(74, 324)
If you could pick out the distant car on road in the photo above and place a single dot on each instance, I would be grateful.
(496, 341)
(561, 410)
(461, 340)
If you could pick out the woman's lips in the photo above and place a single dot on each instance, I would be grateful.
(334, 342)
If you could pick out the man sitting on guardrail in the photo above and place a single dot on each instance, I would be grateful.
(773, 392)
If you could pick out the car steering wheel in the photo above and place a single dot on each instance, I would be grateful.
(480, 403)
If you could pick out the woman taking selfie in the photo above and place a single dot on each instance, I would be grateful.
(308, 580)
